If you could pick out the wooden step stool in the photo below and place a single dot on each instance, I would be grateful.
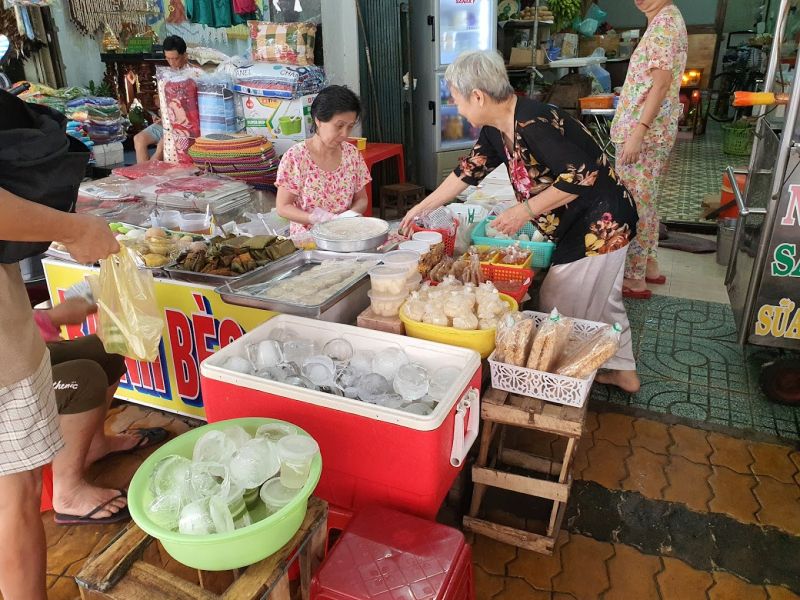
(124, 571)
(399, 197)
(500, 409)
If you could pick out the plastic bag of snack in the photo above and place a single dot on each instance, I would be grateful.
(513, 338)
(550, 341)
(591, 354)
(466, 321)
(414, 308)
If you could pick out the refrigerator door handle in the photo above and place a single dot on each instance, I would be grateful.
(432, 23)
(432, 108)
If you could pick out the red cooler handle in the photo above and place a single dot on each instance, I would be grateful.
(465, 429)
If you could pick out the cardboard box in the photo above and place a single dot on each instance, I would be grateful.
(278, 119)
(568, 42)
(521, 57)
(610, 43)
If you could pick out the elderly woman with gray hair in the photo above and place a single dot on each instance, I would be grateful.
(564, 185)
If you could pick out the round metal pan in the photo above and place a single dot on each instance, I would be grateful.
(358, 245)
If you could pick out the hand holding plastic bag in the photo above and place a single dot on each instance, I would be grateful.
(129, 321)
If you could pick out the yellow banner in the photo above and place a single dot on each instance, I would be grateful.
(197, 324)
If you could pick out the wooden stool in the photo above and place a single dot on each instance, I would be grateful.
(399, 197)
(499, 409)
(120, 572)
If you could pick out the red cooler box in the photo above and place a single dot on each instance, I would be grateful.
(370, 454)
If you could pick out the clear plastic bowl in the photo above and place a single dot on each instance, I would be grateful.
(402, 259)
(168, 219)
(296, 452)
(276, 495)
(388, 281)
(195, 222)
(386, 306)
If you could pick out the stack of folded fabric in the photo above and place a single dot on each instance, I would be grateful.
(217, 106)
(54, 98)
(80, 132)
(251, 158)
(101, 116)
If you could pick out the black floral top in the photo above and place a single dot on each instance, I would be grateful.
(553, 149)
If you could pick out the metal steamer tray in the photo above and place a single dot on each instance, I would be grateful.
(176, 272)
(333, 244)
(236, 292)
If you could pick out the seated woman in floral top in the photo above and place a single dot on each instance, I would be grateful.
(325, 175)
(564, 184)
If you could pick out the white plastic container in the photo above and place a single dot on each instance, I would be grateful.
(419, 246)
(429, 237)
(402, 259)
(387, 306)
(296, 452)
(388, 281)
(275, 495)
(413, 282)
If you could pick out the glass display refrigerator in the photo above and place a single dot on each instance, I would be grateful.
(440, 31)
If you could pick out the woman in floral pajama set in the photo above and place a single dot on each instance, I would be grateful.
(644, 130)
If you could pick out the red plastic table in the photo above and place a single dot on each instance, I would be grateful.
(375, 153)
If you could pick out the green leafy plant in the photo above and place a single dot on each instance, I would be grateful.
(102, 90)
(564, 12)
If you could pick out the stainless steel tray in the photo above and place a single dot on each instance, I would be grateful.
(232, 292)
(175, 272)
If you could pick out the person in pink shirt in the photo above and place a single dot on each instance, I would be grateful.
(325, 175)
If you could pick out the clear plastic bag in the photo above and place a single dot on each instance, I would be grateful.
(129, 321)
(591, 354)
(513, 338)
(550, 341)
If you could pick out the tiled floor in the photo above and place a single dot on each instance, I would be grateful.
(740, 497)
(691, 367)
(694, 171)
(693, 276)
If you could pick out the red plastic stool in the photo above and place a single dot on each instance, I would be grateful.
(384, 555)
(338, 520)
(47, 488)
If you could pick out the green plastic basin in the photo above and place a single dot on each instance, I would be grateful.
(220, 552)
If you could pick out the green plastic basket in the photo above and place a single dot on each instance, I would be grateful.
(220, 552)
(737, 141)
(542, 252)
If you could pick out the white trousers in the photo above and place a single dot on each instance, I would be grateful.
(591, 289)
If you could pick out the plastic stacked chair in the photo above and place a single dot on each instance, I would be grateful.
(250, 158)
(384, 554)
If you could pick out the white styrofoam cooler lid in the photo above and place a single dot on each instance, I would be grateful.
(431, 355)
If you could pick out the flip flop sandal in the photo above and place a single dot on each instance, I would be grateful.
(637, 294)
(121, 515)
(660, 280)
(148, 436)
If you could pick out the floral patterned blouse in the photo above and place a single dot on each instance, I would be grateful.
(663, 46)
(553, 149)
(316, 188)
